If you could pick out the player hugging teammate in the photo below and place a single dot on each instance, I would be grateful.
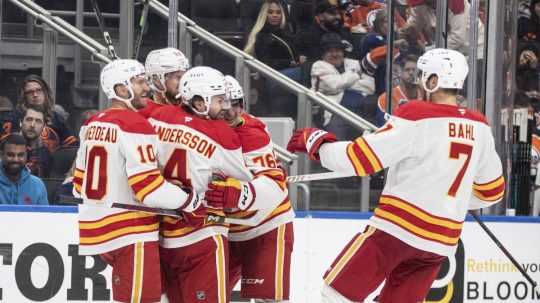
(186, 145)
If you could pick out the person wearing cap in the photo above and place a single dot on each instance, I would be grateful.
(340, 79)
(327, 20)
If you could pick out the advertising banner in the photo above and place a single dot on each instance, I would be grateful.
(39, 260)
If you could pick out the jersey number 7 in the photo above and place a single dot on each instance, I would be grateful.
(457, 149)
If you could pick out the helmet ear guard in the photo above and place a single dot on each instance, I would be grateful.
(204, 82)
(449, 66)
(160, 62)
(120, 72)
(234, 91)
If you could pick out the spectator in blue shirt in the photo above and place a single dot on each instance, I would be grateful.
(17, 185)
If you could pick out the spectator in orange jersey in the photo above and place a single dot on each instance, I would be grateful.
(38, 155)
(406, 90)
(34, 90)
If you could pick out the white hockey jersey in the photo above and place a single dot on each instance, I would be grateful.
(442, 162)
(116, 163)
(190, 150)
(272, 206)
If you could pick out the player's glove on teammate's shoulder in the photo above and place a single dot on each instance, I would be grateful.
(309, 140)
(230, 194)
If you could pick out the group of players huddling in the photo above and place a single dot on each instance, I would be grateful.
(177, 138)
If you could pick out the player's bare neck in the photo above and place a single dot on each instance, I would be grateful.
(439, 97)
(116, 104)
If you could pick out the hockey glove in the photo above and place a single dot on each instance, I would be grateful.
(192, 202)
(230, 195)
(309, 140)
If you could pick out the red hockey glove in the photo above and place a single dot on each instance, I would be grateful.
(230, 194)
(309, 140)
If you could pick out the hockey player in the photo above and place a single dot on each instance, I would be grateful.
(260, 255)
(116, 162)
(194, 144)
(164, 68)
(442, 162)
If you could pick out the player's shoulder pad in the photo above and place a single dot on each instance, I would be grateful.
(419, 110)
(252, 134)
(127, 120)
(224, 134)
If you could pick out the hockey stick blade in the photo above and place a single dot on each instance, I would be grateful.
(316, 177)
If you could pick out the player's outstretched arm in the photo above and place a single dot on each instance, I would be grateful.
(364, 156)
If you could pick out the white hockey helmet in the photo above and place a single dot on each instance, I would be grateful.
(202, 81)
(160, 62)
(233, 90)
(120, 71)
(448, 65)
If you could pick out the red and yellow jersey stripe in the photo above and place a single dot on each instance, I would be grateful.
(284, 207)
(145, 183)
(78, 176)
(491, 191)
(417, 221)
(115, 226)
(276, 174)
(362, 157)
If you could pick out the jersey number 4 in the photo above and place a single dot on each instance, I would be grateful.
(457, 149)
(176, 167)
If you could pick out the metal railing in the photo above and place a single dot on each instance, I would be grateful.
(97, 50)
(243, 60)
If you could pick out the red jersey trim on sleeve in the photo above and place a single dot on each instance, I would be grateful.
(362, 157)
(491, 191)
(420, 110)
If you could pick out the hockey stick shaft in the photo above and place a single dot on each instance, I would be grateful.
(210, 217)
(316, 177)
(142, 27)
(503, 249)
(106, 35)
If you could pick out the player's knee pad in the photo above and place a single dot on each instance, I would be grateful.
(330, 295)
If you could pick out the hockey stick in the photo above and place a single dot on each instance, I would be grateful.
(106, 36)
(210, 218)
(142, 28)
(316, 177)
(504, 250)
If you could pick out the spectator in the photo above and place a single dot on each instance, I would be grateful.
(407, 89)
(6, 114)
(34, 90)
(529, 27)
(17, 185)
(65, 189)
(357, 21)
(374, 44)
(340, 79)
(270, 41)
(423, 19)
(327, 20)
(528, 70)
(38, 155)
